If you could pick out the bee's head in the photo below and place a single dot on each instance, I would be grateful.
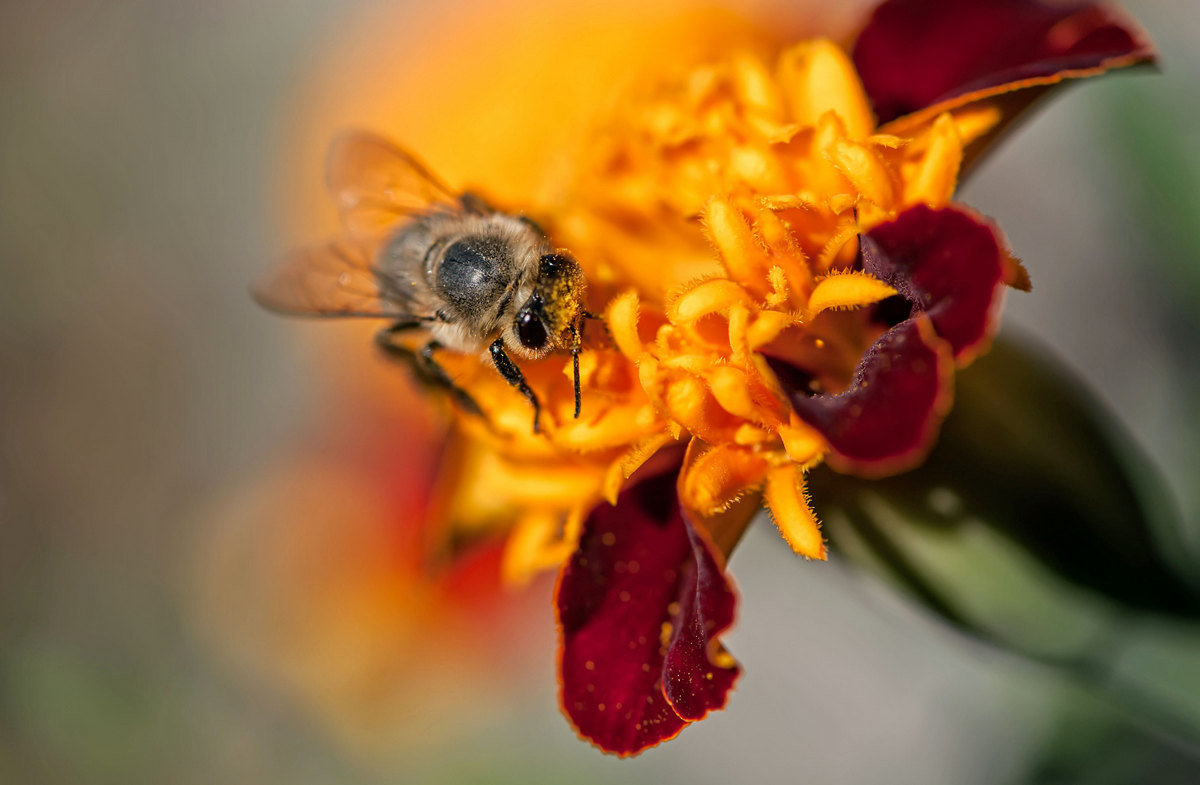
(547, 320)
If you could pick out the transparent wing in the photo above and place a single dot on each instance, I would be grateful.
(376, 184)
(338, 279)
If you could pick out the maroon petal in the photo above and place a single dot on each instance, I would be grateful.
(885, 421)
(916, 54)
(949, 263)
(641, 604)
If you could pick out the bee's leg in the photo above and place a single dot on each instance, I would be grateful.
(424, 365)
(576, 347)
(512, 374)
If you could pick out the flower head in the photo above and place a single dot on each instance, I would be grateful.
(784, 280)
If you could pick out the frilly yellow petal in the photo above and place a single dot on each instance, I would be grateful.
(717, 478)
(787, 500)
(847, 290)
(708, 297)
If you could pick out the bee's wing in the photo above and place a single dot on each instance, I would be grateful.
(376, 184)
(337, 279)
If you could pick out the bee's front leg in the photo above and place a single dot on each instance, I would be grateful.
(512, 374)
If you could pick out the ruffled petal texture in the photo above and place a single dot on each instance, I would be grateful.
(948, 263)
(887, 418)
(641, 604)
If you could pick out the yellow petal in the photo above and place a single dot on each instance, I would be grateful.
(804, 446)
(847, 290)
(788, 503)
(536, 543)
(730, 387)
(730, 232)
(866, 171)
(717, 478)
(623, 315)
(933, 179)
(617, 427)
(756, 88)
(709, 297)
(818, 76)
(766, 327)
(624, 467)
(976, 120)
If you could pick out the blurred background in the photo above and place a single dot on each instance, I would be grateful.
(201, 575)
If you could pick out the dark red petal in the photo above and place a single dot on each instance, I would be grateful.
(949, 263)
(885, 421)
(628, 680)
(915, 54)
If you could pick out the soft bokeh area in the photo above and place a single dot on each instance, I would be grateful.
(207, 567)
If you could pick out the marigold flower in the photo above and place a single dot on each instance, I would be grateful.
(784, 281)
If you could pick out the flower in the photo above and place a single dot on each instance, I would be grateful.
(785, 281)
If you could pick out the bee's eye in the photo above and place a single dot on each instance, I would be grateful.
(530, 330)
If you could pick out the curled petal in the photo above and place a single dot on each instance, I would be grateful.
(714, 478)
(847, 290)
(886, 420)
(948, 263)
(641, 605)
(709, 297)
(787, 500)
(915, 54)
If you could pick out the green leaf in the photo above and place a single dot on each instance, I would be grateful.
(1034, 523)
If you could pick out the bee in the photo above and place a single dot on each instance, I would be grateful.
(471, 277)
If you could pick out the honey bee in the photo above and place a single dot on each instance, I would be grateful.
(471, 277)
